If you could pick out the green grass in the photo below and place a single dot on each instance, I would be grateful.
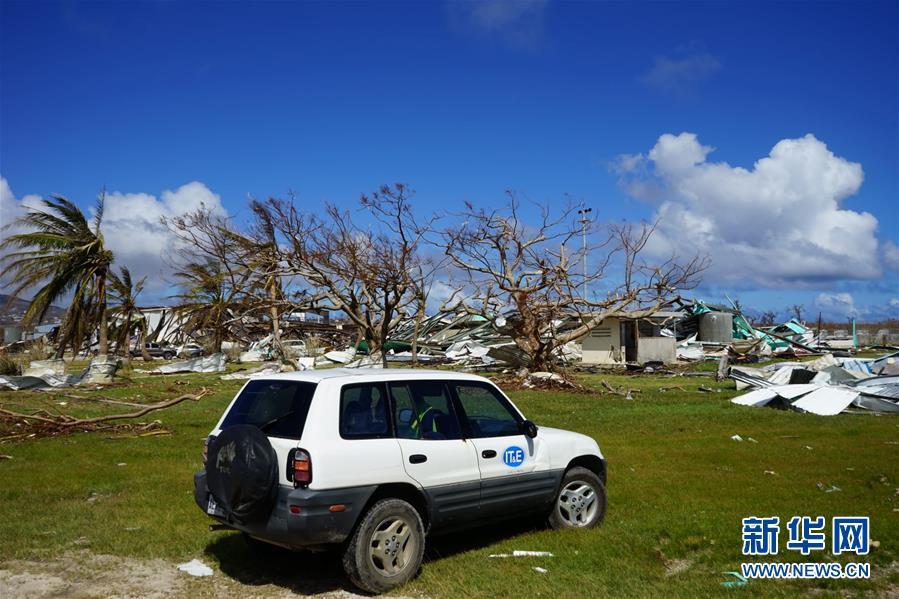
(678, 488)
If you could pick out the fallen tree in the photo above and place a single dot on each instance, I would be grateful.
(42, 422)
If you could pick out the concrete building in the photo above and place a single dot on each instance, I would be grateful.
(624, 340)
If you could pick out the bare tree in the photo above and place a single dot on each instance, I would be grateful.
(769, 317)
(212, 272)
(797, 310)
(507, 263)
(261, 256)
(367, 272)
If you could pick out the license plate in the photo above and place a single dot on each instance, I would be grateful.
(211, 507)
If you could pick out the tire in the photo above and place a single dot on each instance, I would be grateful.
(168, 356)
(363, 562)
(580, 502)
(242, 474)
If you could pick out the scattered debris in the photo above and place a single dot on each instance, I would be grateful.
(705, 389)
(101, 370)
(737, 438)
(547, 379)
(195, 568)
(519, 553)
(833, 488)
(43, 423)
(625, 393)
(739, 580)
(826, 386)
(213, 363)
(263, 370)
(540, 570)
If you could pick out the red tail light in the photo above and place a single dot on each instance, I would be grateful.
(299, 467)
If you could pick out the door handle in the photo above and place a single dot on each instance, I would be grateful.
(417, 458)
(488, 453)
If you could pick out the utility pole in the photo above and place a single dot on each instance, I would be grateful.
(585, 220)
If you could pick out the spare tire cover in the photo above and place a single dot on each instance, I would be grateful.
(242, 473)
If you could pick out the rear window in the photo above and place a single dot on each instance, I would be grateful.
(278, 408)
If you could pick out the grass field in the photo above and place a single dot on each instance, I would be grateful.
(678, 488)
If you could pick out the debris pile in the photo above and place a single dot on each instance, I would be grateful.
(825, 386)
(213, 363)
(43, 374)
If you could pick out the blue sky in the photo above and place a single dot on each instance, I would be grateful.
(465, 100)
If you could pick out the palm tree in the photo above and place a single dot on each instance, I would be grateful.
(207, 301)
(61, 252)
(126, 312)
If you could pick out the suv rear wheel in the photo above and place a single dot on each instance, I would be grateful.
(581, 501)
(387, 547)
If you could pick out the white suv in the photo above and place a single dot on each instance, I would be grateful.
(376, 459)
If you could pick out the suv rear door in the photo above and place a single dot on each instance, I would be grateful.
(278, 407)
(434, 452)
(514, 468)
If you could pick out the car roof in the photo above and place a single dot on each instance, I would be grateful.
(373, 374)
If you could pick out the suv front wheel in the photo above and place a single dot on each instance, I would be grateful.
(581, 501)
(387, 547)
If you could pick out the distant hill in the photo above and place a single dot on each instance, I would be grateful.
(13, 313)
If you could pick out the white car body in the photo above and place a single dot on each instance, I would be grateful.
(459, 480)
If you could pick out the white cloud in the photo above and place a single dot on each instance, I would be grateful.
(133, 230)
(132, 226)
(680, 74)
(890, 255)
(778, 224)
(12, 209)
(627, 163)
(515, 23)
(840, 304)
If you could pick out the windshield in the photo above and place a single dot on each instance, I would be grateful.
(278, 408)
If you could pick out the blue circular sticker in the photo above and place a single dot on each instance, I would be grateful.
(513, 456)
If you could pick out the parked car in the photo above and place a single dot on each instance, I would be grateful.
(376, 460)
(157, 351)
(294, 348)
(191, 350)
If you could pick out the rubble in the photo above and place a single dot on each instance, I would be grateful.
(212, 363)
(685, 331)
(824, 386)
(265, 369)
(42, 374)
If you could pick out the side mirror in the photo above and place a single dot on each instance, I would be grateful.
(405, 416)
(529, 429)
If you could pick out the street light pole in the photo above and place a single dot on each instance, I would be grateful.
(585, 220)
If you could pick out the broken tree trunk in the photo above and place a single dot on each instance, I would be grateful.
(64, 422)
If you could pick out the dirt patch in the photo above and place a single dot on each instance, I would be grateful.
(82, 574)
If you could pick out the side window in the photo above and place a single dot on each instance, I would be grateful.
(487, 412)
(424, 410)
(363, 411)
